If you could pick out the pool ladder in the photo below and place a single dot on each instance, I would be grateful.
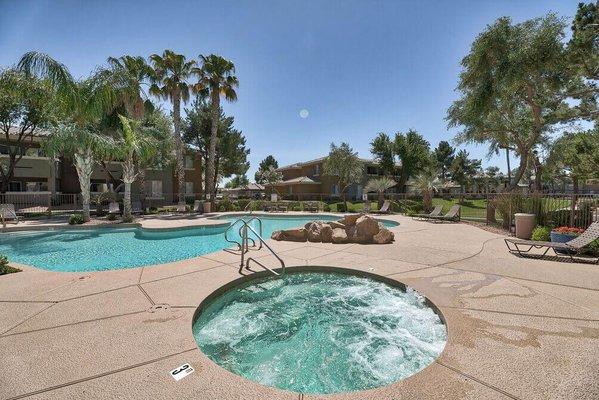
(244, 247)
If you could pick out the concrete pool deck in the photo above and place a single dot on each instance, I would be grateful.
(517, 328)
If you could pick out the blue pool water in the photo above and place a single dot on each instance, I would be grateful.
(320, 333)
(114, 248)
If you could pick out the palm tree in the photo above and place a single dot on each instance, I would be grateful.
(380, 185)
(427, 184)
(84, 103)
(135, 146)
(215, 79)
(169, 82)
(129, 75)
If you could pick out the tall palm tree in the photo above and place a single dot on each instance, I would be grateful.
(380, 185)
(129, 76)
(427, 184)
(215, 79)
(84, 103)
(169, 82)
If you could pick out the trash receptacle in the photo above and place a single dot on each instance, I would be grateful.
(525, 223)
(207, 207)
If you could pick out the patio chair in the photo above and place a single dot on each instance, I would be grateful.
(570, 248)
(366, 207)
(7, 212)
(181, 207)
(311, 206)
(453, 215)
(282, 207)
(198, 207)
(435, 213)
(114, 208)
(136, 207)
(384, 209)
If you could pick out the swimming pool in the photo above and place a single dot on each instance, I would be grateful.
(320, 332)
(100, 249)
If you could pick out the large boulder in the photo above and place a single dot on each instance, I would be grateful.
(350, 219)
(367, 226)
(315, 231)
(339, 236)
(353, 236)
(336, 224)
(384, 236)
(326, 233)
(291, 235)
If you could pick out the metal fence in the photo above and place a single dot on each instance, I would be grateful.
(550, 209)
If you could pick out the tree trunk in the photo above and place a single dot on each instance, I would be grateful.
(210, 170)
(381, 198)
(509, 169)
(141, 175)
(574, 200)
(538, 171)
(521, 169)
(179, 166)
(84, 165)
(128, 178)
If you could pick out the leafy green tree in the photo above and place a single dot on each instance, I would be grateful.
(344, 166)
(576, 155)
(414, 152)
(82, 105)
(463, 169)
(444, 155)
(27, 104)
(492, 178)
(380, 185)
(238, 181)
(583, 58)
(512, 87)
(382, 149)
(169, 75)
(231, 150)
(264, 165)
(216, 78)
(270, 177)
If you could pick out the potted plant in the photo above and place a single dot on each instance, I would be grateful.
(564, 234)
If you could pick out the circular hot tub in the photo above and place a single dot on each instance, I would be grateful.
(320, 331)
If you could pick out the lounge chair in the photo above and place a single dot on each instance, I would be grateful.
(453, 215)
(385, 208)
(366, 207)
(136, 207)
(181, 207)
(435, 213)
(7, 212)
(198, 207)
(113, 208)
(282, 207)
(311, 206)
(570, 248)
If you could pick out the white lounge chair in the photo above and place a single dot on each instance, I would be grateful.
(114, 208)
(197, 206)
(385, 208)
(136, 207)
(181, 207)
(7, 212)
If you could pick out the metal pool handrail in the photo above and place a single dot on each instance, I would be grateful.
(247, 263)
(240, 228)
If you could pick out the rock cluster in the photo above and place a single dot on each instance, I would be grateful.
(355, 228)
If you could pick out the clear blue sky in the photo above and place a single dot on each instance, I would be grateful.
(358, 67)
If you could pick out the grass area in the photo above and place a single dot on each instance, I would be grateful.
(470, 208)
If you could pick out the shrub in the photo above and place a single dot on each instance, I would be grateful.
(76, 219)
(111, 217)
(4, 267)
(541, 233)
(593, 249)
(341, 207)
(326, 208)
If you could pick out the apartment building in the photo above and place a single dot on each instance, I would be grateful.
(38, 173)
(307, 178)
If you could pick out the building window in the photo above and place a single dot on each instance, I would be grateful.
(289, 189)
(188, 162)
(36, 186)
(15, 186)
(188, 187)
(317, 170)
(335, 190)
(155, 189)
(95, 187)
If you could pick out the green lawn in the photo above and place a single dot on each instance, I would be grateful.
(470, 208)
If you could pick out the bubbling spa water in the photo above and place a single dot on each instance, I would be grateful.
(320, 332)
